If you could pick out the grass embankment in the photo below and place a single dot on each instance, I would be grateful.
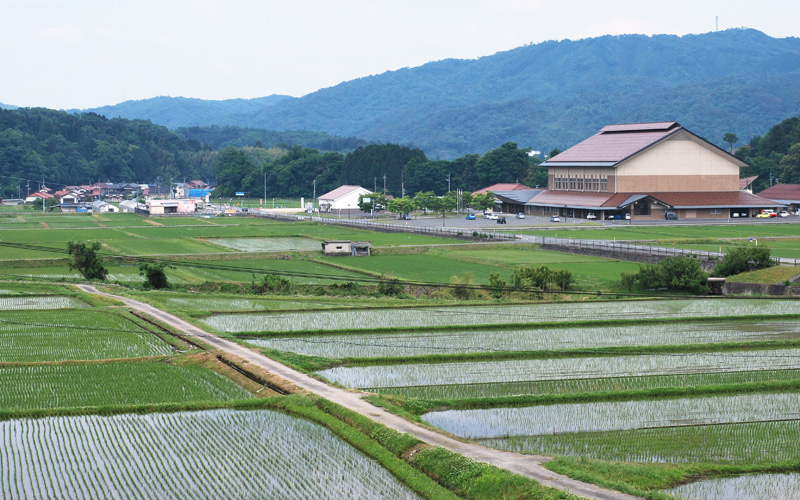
(770, 275)
(645, 480)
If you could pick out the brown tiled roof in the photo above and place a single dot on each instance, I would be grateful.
(571, 198)
(502, 187)
(745, 182)
(615, 143)
(576, 199)
(713, 199)
(782, 192)
(338, 192)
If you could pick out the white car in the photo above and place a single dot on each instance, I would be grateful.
(491, 216)
(520, 215)
(783, 213)
(591, 216)
(628, 216)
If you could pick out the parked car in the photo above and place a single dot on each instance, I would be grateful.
(471, 217)
(591, 216)
(767, 212)
(520, 215)
(628, 216)
(610, 217)
(555, 218)
(671, 216)
(406, 217)
(763, 215)
(501, 220)
(783, 213)
(491, 216)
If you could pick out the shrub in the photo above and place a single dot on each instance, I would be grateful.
(497, 285)
(673, 273)
(271, 283)
(463, 287)
(389, 286)
(540, 277)
(742, 259)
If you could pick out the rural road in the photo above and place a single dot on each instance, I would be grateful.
(525, 465)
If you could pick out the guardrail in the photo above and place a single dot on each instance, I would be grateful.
(655, 251)
(447, 232)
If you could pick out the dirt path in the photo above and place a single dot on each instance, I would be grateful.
(526, 465)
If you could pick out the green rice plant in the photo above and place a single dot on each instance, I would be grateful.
(421, 343)
(51, 335)
(116, 383)
(750, 443)
(283, 244)
(483, 372)
(584, 385)
(56, 302)
(244, 454)
(498, 315)
(748, 487)
(615, 415)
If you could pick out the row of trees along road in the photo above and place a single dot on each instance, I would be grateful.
(427, 201)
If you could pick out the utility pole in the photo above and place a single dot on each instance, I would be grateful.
(402, 186)
(43, 200)
(265, 188)
(448, 182)
(375, 186)
(28, 185)
(314, 202)
(384, 184)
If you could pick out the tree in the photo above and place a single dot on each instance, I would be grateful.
(425, 200)
(402, 205)
(154, 275)
(742, 259)
(483, 202)
(372, 202)
(731, 139)
(84, 259)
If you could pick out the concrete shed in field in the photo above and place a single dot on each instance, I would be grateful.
(346, 248)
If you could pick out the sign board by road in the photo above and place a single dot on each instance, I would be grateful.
(239, 193)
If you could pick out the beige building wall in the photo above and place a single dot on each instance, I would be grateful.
(679, 163)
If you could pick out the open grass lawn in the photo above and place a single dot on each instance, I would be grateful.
(675, 232)
(39, 386)
(776, 274)
(441, 264)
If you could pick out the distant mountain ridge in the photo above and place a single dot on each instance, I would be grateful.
(546, 95)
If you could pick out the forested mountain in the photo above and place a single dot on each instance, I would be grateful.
(62, 149)
(547, 95)
(174, 112)
(221, 137)
(775, 156)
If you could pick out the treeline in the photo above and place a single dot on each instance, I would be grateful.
(776, 155)
(399, 168)
(217, 138)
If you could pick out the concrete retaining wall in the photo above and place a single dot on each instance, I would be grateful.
(759, 289)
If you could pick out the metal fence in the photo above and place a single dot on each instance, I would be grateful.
(447, 232)
(649, 250)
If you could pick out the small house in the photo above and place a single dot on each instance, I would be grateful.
(344, 197)
(346, 248)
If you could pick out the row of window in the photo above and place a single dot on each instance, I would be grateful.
(591, 183)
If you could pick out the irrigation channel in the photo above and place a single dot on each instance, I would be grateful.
(525, 465)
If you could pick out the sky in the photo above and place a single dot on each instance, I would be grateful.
(68, 54)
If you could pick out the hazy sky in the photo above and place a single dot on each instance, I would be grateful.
(87, 53)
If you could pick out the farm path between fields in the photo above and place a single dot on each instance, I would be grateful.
(526, 465)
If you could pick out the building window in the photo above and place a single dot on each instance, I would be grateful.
(604, 184)
(572, 183)
(715, 211)
(596, 182)
(580, 183)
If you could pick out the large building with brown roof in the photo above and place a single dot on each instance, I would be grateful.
(643, 170)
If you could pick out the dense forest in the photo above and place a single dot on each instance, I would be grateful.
(543, 96)
(62, 149)
(775, 157)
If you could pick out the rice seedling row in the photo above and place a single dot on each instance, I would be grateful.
(616, 415)
(531, 339)
(283, 244)
(245, 454)
(747, 487)
(561, 368)
(584, 385)
(747, 443)
(56, 302)
(27, 336)
(368, 319)
(118, 383)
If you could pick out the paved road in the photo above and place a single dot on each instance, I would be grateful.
(526, 465)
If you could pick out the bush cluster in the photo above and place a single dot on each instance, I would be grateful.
(542, 278)
(673, 273)
(743, 259)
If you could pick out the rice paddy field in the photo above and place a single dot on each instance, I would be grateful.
(371, 319)
(186, 455)
(747, 487)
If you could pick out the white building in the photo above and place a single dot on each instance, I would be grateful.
(342, 198)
